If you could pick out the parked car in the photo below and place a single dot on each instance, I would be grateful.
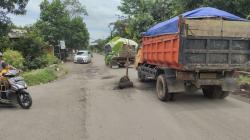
(83, 56)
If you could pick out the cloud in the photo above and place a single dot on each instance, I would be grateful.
(32, 15)
(101, 13)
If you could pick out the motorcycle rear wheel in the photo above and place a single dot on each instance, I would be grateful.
(24, 99)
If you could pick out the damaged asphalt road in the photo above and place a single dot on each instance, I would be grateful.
(84, 105)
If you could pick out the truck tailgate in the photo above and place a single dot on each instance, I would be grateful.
(215, 53)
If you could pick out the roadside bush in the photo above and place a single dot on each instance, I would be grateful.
(41, 62)
(31, 45)
(49, 59)
(248, 17)
(243, 79)
(14, 58)
(39, 76)
(5, 43)
(36, 63)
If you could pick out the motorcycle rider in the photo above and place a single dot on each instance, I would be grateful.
(3, 65)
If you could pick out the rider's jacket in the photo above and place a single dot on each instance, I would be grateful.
(3, 67)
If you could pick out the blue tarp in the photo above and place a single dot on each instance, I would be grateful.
(171, 26)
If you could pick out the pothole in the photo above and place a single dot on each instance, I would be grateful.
(108, 77)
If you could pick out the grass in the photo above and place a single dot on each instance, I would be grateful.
(244, 79)
(45, 75)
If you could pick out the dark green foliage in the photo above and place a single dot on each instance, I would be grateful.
(42, 61)
(10, 7)
(5, 43)
(35, 63)
(31, 45)
(56, 24)
(54, 21)
(78, 37)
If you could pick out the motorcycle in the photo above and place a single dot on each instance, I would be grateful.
(13, 90)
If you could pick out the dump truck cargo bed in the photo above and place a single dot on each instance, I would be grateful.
(208, 44)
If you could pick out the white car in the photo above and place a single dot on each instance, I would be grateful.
(83, 56)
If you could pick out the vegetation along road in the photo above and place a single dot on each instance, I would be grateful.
(86, 105)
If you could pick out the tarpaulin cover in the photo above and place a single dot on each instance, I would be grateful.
(171, 26)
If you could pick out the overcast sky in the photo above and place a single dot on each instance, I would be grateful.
(101, 13)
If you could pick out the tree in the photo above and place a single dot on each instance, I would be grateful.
(78, 37)
(78, 34)
(237, 7)
(56, 24)
(161, 10)
(133, 7)
(10, 7)
(5, 43)
(141, 14)
(54, 21)
(119, 28)
(31, 45)
(75, 8)
(100, 44)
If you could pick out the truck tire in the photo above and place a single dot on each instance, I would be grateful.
(214, 92)
(141, 77)
(161, 88)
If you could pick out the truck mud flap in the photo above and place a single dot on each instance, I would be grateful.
(229, 84)
(175, 85)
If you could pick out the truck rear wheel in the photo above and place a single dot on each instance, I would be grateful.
(141, 77)
(214, 92)
(161, 88)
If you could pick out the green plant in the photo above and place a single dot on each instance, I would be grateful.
(117, 47)
(36, 63)
(39, 76)
(49, 59)
(244, 79)
(5, 43)
(13, 58)
(108, 58)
